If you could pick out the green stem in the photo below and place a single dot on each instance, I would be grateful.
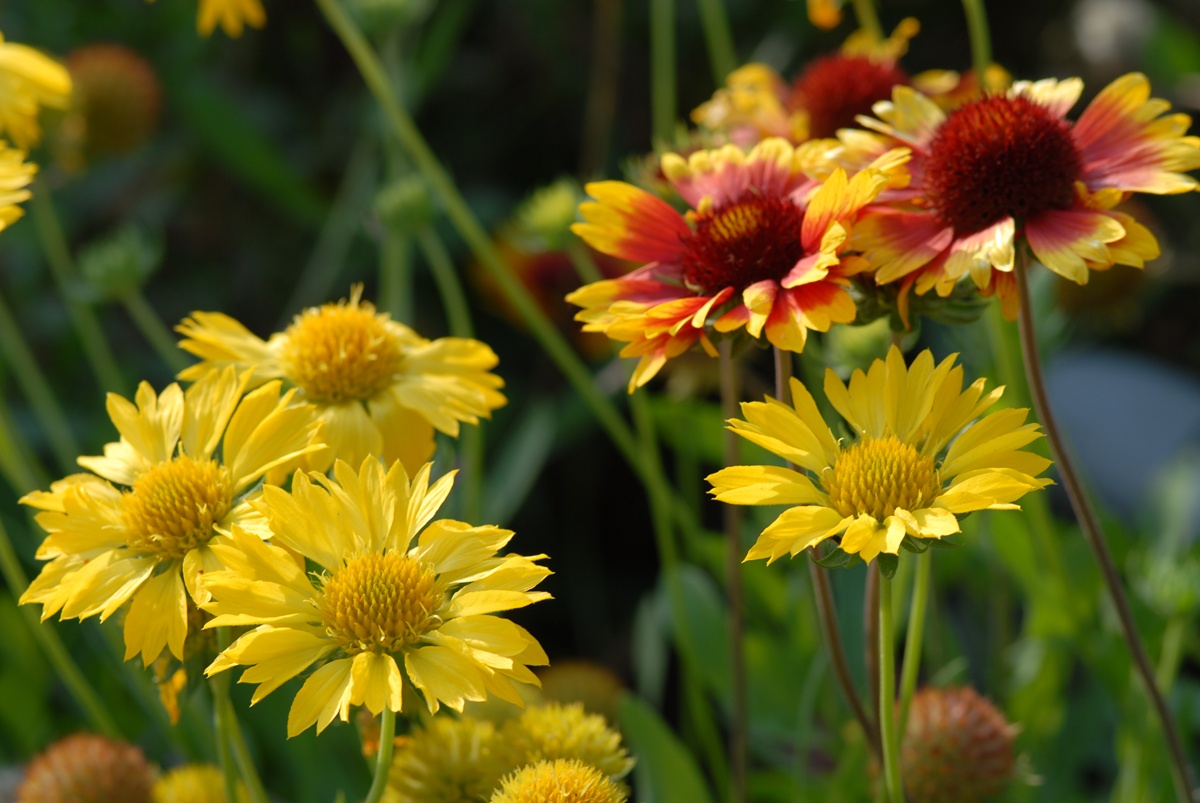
(732, 514)
(981, 40)
(19, 465)
(914, 640)
(718, 38)
(888, 734)
(581, 259)
(871, 634)
(868, 19)
(234, 758)
(395, 276)
(454, 300)
(383, 761)
(1090, 525)
(154, 330)
(42, 401)
(476, 238)
(64, 665)
(826, 612)
(58, 257)
(662, 71)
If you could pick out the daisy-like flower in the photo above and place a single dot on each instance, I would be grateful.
(896, 478)
(28, 80)
(447, 760)
(391, 591)
(1011, 168)
(139, 527)
(15, 177)
(378, 386)
(761, 249)
(563, 731)
(559, 780)
(232, 15)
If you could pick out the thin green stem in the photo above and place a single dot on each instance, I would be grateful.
(581, 259)
(914, 639)
(42, 401)
(154, 330)
(395, 276)
(871, 633)
(662, 71)
(58, 257)
(718, 38)
(823, 593)
(454, 300)
(554, 344)
(730, 371)
(981, 40)
(231, 746)
(868, 19)
(888, 734)
(383, 760)
(20, 466)
(56, 652)
(1090, 525)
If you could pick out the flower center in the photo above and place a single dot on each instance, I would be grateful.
(380, 602)
(561, 779)
(171, 508)
(340, 352)
(877, 475)
(746, 242)
(999, 157)
(835, 89)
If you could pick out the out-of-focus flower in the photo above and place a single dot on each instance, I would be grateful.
(87, 768)
(115, 106)
(1010, 169)
(577, 681)
(825, 14)
(559, 780)
(957, 747)
(563, 731)
(195, 783)
(896, 481)
(390, 591)
(139, 527)
(446, 760)
(379, 388)
(762, 249)
(29, 80)
(15, 176)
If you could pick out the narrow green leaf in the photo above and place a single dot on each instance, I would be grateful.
(665, 771)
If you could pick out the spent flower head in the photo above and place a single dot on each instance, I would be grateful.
(88, 768)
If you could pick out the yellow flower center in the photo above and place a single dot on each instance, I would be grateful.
(876, 476)
(341, 352)
(554, 781)
(173, 506)
(380, 602)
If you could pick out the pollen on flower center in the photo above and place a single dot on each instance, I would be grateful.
(171, 508)
(877, 475)
(340, 352)
(1000, 156)
(743, 243)
(837, 88)
(379, 602)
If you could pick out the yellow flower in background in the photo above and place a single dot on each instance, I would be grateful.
(232, 15)
(138, 527)
(561, 780)
(557, 731)
(194, 783)
(15, 176)
(896, 478)
(28, 80)
(446, 760)
(378, 386)
(390, 591)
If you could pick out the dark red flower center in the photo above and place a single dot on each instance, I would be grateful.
(835, 89)
(999, 157)
(743, 243)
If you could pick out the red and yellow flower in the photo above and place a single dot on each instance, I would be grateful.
(1011, 168)
(762, 248)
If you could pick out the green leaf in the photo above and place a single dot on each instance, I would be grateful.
(888, 564)
(665, 771)
(837, 559)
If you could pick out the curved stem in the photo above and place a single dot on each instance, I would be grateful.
(981, 40)
(868, 19)
(718, 39)
(58, 257)
(154, 330)
(738, 725)
(826, 613)
(1090, 525)
(662, 71)
(888, 734)
(914, 639)
(383, 760)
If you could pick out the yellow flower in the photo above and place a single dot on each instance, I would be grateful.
(194, 783)
(15, 176)
(888, 484)
(233, 15)
(384, 595)
(28, 81)
(446, 761)
(138, 528)
(379, 387)
(553, 731)
(558, 782)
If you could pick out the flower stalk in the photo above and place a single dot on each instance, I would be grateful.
(888, 734)
(914, 638)
(732, 519)
(1089, 523)
(383, 760)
